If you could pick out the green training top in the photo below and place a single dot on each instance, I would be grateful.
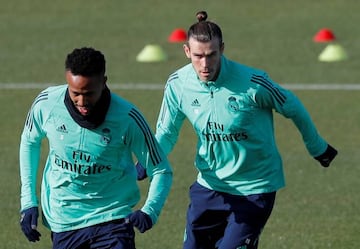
(233, 120)
(89, 176)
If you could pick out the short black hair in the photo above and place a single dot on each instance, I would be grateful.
(85, 61)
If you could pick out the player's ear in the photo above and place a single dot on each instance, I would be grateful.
(187, 50)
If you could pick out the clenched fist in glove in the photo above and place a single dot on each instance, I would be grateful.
(141, 171)
(326, 158)
(28, 223)
(140, 220)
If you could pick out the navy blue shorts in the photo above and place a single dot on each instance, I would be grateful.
(114, 234)
(224, 221)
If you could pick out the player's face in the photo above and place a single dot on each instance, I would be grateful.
(205, 57)
(85, 92)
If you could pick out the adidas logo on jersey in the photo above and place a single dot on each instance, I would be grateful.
(62, 129)
(195, 103)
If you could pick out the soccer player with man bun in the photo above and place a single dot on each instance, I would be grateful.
(89, 186)
(230, 107)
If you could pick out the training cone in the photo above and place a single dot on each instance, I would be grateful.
(151, 53)
(324, 35)
(178, 35)
(332, 53)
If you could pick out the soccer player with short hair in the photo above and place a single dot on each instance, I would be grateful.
(230, 107)
(89, 186)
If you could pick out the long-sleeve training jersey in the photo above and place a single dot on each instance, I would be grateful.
(233, 120)
(89, 176)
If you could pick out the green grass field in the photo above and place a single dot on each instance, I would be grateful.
(319, 208)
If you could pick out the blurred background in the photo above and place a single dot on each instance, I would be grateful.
(275, 36)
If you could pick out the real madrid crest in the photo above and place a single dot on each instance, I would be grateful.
(233, 105)
(106, 136)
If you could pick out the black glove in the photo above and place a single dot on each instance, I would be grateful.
(326, 158)
(28, 223)
(141, 171)
(140, 220)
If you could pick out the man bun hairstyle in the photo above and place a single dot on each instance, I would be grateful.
(86, 62)
(201, 16)
(203, 30)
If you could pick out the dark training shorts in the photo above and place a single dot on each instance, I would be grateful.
(114, 234)
(224, 221)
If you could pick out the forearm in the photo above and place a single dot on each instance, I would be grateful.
(166, 141)
(296, 111)
(314, 143)
(158, 191)
(29, 158)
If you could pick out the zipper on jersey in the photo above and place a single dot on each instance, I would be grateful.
(81, 140)
(211, 87)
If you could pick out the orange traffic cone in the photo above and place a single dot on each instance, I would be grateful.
(324, 35)
(178, 35)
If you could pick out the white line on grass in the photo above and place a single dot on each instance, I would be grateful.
(149, 86)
